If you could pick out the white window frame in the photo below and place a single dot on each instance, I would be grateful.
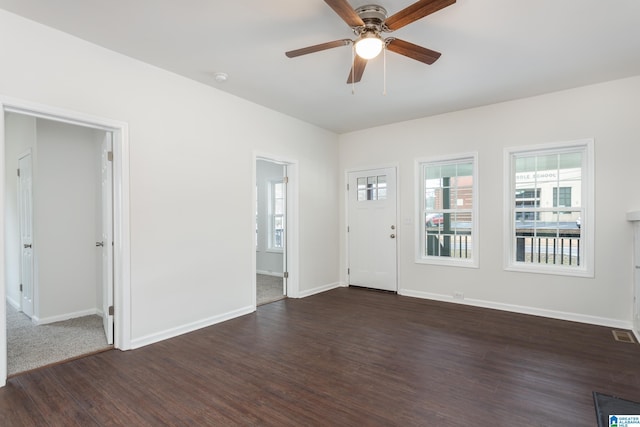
(271, 211)
(587, 203)
(420, 232)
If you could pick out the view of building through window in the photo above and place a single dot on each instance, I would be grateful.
(547, 207)
(448, 201)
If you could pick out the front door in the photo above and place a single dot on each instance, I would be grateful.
(372, 229)
(25, 213)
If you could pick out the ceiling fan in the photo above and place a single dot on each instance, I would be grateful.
(368, 23)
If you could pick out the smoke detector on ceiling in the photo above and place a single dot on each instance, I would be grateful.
(220, 77)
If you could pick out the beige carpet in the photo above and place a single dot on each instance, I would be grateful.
(269, 289)
(30, 346)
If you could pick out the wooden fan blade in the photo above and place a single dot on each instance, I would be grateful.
(414, 12)
(355, 75)
(346, 12)
(317, 48)
(413, 51)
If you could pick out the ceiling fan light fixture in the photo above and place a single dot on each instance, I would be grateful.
(369, 45)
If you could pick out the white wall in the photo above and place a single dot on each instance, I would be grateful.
(20, 135)
(267, 261)
(66, 203)
(191, 173)
(606, 112)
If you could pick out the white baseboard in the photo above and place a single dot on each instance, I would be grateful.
(13, 303)
(561, 315)
(269, 273)
(319, 289)
(190, 327)
(66, 316)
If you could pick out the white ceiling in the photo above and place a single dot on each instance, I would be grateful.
(492, 50)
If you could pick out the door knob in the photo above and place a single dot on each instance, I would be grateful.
(99, 244)
(393, 236)
(27, 246)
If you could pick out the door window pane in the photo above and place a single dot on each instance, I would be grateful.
(372, 188)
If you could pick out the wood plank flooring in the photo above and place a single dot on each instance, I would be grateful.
(347, 357)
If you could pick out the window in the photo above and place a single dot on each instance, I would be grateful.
(372, 188)
(527, 198)
(276, 215)
(562, 197)
(447, 224)
(550, 193)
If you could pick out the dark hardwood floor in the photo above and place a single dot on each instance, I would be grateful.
(347, 357)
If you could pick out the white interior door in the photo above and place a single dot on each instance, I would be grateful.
(25, 212)
(107, 237)
(372, 229)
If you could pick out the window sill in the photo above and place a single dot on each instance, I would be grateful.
(552, 270)
(447, 262)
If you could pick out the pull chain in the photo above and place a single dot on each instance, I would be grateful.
(353, 63)
(384, 72)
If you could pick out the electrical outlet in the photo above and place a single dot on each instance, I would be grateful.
(458, 295)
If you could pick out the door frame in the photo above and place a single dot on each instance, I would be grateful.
(399, 222)
(121, 213)
(291, 226)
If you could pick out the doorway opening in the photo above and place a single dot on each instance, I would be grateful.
(59, 251)
(275, 233)
(271, 231)
(66, 230)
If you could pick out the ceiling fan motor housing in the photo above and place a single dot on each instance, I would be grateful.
(373, 17)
